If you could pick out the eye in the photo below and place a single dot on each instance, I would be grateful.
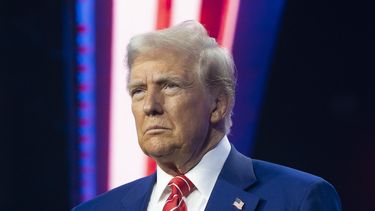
(136, 92)
(170, 86)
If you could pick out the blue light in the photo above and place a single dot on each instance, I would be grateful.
(85, 40)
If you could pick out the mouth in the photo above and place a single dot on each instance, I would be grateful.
(154, 130)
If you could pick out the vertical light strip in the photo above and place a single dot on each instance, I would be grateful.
(183, 10)
(86, 97)
(228, 29)
(163, 17)
(126, 161)
(190, 10)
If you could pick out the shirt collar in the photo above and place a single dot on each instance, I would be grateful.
(203, 175)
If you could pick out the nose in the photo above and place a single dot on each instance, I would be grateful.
(152, 104)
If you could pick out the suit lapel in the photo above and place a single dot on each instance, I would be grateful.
(138, 197)
(236, 176)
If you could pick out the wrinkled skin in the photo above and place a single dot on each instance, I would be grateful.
(175, 114)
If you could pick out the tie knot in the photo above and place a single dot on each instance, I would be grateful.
(181, 185)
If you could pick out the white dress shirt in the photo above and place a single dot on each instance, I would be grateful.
(203, 176)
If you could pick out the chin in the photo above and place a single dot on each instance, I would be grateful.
(162, 153)
(157, 147)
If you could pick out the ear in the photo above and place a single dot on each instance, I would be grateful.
(220, 108)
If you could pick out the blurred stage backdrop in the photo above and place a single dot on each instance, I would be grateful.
(305, 95)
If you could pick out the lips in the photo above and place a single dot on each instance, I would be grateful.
(155, 129)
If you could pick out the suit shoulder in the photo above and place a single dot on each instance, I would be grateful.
(112, 198)
(266, 171)
(296, 190)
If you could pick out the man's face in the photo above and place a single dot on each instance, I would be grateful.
(171, 107)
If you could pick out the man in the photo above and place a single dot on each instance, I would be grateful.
(182, 86)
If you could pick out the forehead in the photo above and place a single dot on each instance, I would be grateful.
(164, 63)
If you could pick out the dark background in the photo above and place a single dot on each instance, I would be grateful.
(34, 126)
(318, 113)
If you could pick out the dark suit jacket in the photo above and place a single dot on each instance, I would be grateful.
(262, 186)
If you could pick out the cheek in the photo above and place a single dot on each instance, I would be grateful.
(192, 117)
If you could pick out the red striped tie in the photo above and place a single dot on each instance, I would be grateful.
(181, 186)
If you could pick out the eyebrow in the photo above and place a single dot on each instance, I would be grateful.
(165, 79)
(134, 84)
(161, 80)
